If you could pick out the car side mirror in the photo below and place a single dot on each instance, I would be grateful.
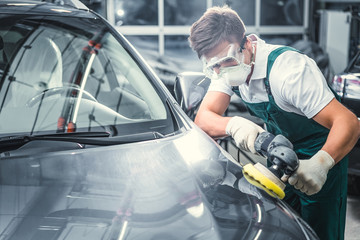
(190, 89)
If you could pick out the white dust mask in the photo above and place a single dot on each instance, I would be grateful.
(236, 75)
(236, 72)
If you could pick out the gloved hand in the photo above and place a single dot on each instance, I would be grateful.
(244, 132)
(312, 173)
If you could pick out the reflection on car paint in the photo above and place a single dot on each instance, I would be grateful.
(94, 147)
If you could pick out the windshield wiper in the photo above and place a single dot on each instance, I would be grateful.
(91, 138)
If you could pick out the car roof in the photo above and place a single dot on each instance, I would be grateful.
(45, 7)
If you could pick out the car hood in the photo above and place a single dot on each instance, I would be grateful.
(179, 187)
(37, 7)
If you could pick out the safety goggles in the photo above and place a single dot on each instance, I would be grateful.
(229, 56)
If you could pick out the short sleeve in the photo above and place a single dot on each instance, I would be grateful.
(298, 84)
(219, 85)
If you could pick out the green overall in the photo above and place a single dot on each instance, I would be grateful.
(324, 211)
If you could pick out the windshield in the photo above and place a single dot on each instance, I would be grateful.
(57, 77)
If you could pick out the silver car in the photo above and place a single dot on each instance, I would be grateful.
(93, 146)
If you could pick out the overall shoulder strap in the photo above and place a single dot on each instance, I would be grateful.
(274, 54)
(271, 59)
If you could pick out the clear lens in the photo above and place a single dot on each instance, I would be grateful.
(230, 56)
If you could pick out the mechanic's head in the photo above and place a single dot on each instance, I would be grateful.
(216, 25)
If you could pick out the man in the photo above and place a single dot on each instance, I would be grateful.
(287, 90)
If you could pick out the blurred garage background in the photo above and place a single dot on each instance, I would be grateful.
(326, 30)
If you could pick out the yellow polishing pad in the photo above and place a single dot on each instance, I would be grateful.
(258, 179)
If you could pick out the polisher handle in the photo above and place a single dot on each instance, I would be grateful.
(262, 143)
(278, 150)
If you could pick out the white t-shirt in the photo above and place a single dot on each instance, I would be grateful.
(296, 82)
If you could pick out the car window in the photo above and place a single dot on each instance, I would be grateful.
(58, 75)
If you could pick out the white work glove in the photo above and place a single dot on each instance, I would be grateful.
(244, 132)
(311, 174)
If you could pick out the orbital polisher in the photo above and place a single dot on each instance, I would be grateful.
(279, 152)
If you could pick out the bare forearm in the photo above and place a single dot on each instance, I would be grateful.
(344, 129)
(210, 115)
(343, 136)
(212, 123)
